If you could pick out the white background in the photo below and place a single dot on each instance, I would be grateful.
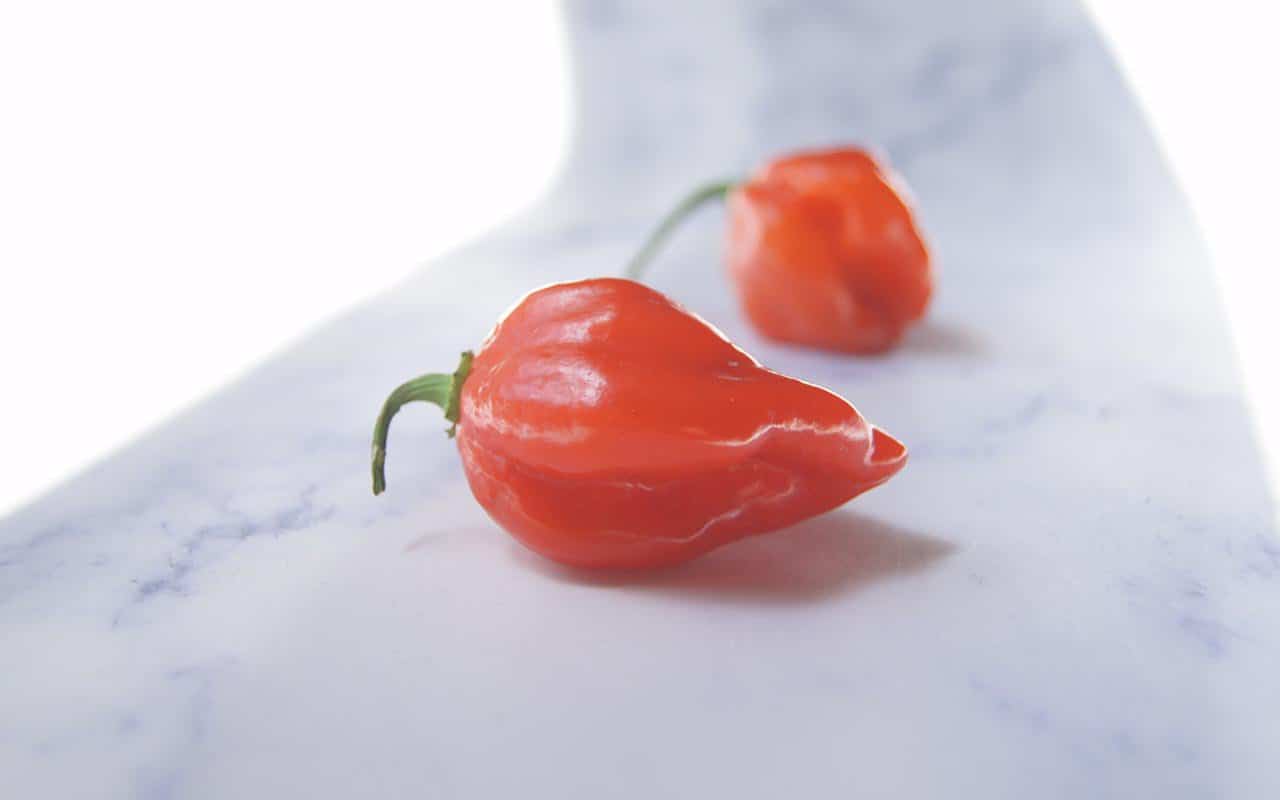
(187, 187)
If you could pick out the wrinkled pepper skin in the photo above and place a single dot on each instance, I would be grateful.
(606, 427)
(825, 252)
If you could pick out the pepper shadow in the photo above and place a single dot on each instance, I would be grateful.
(944, 340)
(813, 561)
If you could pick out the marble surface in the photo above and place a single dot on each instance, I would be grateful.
(1073, 590)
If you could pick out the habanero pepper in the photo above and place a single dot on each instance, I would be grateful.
(823, 248)
(604, 426)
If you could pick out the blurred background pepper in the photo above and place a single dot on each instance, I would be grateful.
(823, 249)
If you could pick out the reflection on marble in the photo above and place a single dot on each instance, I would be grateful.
(1073, 590)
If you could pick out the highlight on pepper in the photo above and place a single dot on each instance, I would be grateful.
(604, 426)
(823, 249)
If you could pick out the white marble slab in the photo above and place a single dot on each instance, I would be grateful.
(1073, 590)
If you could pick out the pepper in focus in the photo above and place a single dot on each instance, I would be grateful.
(604, 426)
(823, 249)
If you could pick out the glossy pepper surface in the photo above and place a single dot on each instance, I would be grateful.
(823, 249)
(604, 426)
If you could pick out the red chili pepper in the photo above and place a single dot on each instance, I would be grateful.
(823, 248)
(604, 426)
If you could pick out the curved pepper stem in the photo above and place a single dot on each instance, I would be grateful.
(443, 390)
(697, 198)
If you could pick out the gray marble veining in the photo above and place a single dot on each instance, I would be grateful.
(1073, 590)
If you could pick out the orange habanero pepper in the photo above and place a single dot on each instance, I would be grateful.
(604, 426)
(823, 249)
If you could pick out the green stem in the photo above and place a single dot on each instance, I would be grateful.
(699, 196)
(443, 390)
